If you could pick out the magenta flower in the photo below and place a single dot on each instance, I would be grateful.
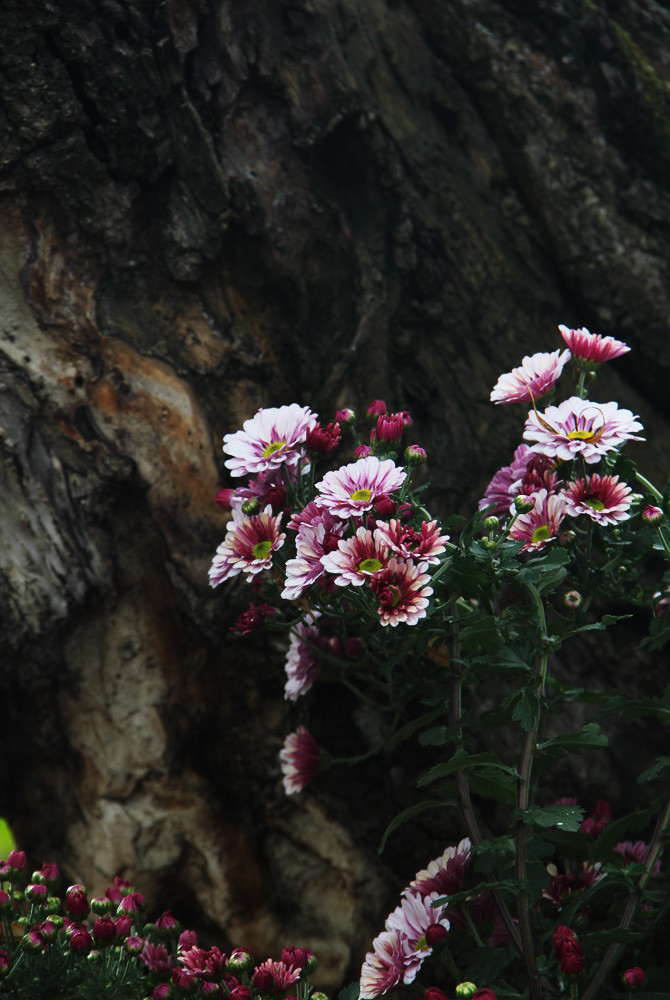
(384, 967)
(300, 757)
(357, 558)
(590, 349)
(323, 440)
(533, 379)
(157, 958)
(275, 975)
(414, 917)
(446, 874)
(353, 489)
(315, 540)
(426, 544)
(634, 977)
(500, 491)
(248, 546)
(602, 498)
(402, 592)
(540, 526)
(273, 437)
(303, 662)
(580, 427)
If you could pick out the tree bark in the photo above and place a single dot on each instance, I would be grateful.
(209, 206)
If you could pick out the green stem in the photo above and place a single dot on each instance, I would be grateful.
(648, 486)
(613, 952)
(580, 383)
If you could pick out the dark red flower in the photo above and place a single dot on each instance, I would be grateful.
(634, 977)
(323, 440)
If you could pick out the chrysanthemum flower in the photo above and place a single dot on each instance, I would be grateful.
(402, 591)
(602, 498)
(278, 974)
(302, 660)
(499, 493)
(446, 874)
(299, 758)
(425, 545)
(413, 918)
(273, 437)
(315, 540)
(580, 427)
(248, 546)
(540, 526)
(353, 489)
(537, 374)
(357, 558)
(590, 349)
(386, 965)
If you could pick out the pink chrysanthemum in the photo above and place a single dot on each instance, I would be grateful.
(306, 515)
(357, 558)
(402, 592)
(413, 918)
(635, 852)
(387, 965)
(589, 349)
(273, 437)
(315, 540)
(540, 474)
(281, 976)
(353, 489)
(540, 526)
(499, 492)
(299, 758)
(446, 874)
(248, 546)
(426, 544)
(302, 660)
(580, 427)
(602, 498)
(537, 374)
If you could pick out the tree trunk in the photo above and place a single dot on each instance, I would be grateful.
(209, 206)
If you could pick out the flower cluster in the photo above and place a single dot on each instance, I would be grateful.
(83, 946)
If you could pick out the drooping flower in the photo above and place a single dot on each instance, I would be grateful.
(356, 559)
(353, 489)
(580, 427)
(303, 662)
(537, 374)
(602, 498)
(315, 540)
(425, 545)
(273, 437)
(300, 757)
(248, 546)
(253, 618)
(402, 590)
(414, 917)
(590, 349)
(391, 961)
(446, 874)
(541, 525)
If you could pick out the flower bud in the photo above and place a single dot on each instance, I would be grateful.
(5, 962)
(389, 428)
(183, 979)
(76, 901)
(465, 990)
(33, 941)
(362, 451)
(251, 506)
(47, 929)
(415, 455)
(572, 599)
(81, 942)
(167, 926)
(187, 940)
(54, 904)
(435, 933)
(133, 945)
(566, 538)
(490, 523)
(523, 504)
(104, 930)
(162, 991)
(653, 515)
(211, 990)
(101, 905)
(317, 995)
(484, 994)
(123, 925)
(242, 993)
(385, 506)
(376, 408)
(634, 977)
(224, 497)
(17, 860)
(6, 904)
(240, 960)
(298, 957)
(435, 993)
(36, 893)
(50, 874)
(345, 416)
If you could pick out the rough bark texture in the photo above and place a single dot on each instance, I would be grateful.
(212, 205)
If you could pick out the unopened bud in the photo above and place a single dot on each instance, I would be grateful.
(101, 905)
(566, 538)
(345, 416)
(653, 515)
(36, 893)
(572, 599)
(250, 506)
(490, 523)
(465, 990)
(634, 977)
(523, 504)
(240, 960)
(415, 455)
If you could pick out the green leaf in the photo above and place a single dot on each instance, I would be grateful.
(406, 814)
(491, 784)
(612, 935)
(410, 728)
(487, 963)
(526, 709)
(565, 817)
(587, 738)
(349, 992)
(434, 737)
(661, 769)
(545, 572)
(461, 760)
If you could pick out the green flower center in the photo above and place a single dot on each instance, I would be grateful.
(541, 534)
(261, 550)
(365, 495)
(369, 565)
(272, 448)
(594, 503)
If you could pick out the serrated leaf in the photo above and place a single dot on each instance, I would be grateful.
(462, 760)
(612, 935)
(660, 769)
(526, 709)
(587, 738)
(349, 992)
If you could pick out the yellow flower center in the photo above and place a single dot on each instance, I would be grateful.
(541, 534)
(594, 503)
(261, 550)
(369, 565)
(365, 495)
(582, 435)
(273, 448)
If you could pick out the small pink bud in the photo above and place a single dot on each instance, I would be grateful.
(484, 994)
(133, 944)
(572, 599)
(345, 416)
(5, 962)
(33, 941)
(104, 930)
(47, 929)
(435, 993)
(523, 504)
(435, 933)
(240, 960)
(224, 497)
(167, 925)
(297, 957)
(385, 506)
(36, 893)
(415, 455)
(362, 451)
(123, 925)
(76, 901)
(634, 977)
(210, 989)
(187, 940)
(651, 515)
(101, 905)
(242, 993)
(183, 979)
(81, 942)
(376, 408)
(322, 440)
(50, 874)
(162, 991)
